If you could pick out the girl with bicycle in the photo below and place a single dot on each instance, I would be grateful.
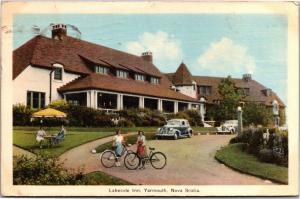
(141, 148)
(118, 141)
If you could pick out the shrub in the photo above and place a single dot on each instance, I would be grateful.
(234, 140)
(21, 115)
(43, 170)
(125, 123)
(266, 155)
(256, 141)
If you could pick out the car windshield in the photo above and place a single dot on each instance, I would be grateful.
(174, 122)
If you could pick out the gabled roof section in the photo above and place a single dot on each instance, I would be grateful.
(182, 76)
(110, 83)
(43, 52)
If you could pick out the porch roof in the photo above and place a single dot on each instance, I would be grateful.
(130, 86)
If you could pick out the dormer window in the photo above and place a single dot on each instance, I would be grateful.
(58, 73)
(205, 90)
(267, 92)
(122, 74)
(139, 77)
(154, 80)
(101, 70)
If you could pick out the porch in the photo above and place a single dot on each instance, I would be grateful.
(112, 101)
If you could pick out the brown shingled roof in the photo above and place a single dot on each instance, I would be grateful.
(43, 52)
(182, 76)
(110, 83)
(255, 90)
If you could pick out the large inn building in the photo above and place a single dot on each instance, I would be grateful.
(87, 74)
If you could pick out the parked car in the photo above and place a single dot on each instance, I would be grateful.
(175, 128)
(229, 126)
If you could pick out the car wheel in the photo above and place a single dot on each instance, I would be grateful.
(175, 136)
(190, 134)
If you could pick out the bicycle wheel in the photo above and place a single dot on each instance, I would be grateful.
(158, 160)
(108, 159)
(131, 161)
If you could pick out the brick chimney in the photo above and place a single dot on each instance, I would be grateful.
(147, 56)
(247, 77)
(59, 31)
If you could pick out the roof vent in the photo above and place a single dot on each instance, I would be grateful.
(247, 77)
(147, 56)
(59, 31)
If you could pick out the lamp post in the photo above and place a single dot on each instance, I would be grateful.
(202, 109)
(240, 120)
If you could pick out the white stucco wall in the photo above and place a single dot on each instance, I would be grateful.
(37, 79)
(188, 90)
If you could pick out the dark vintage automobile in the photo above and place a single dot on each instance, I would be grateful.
(175, 128)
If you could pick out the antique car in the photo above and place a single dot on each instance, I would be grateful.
(229, 126)
(175, 128)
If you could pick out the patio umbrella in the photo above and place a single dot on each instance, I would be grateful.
(49, 112)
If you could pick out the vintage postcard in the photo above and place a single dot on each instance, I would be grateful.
(149, 98)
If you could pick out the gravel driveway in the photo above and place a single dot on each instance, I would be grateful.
(190, 162)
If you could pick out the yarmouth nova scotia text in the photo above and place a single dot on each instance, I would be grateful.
(152, 190)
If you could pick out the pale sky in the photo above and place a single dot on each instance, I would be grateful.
(209, 44)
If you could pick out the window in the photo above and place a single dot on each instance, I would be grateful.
(139, 77)
(154, 80)
(101, 70)
(35, 99)
(122, 74)
(244, 91)
(58, 74)
(205, 90)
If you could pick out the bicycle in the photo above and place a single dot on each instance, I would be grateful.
(157, 159)
(109, 157)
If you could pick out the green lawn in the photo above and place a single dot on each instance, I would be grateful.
(233, 156)
(26, 140)
(110, 129)
(24, 137)
(100, 178)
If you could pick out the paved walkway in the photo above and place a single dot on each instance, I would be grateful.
(17, 151)
(190, 162)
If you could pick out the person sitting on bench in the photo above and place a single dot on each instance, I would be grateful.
(60, 136)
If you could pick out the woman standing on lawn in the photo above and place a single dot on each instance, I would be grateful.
(118, 141)
(141, 148)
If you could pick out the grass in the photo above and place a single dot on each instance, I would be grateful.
(24, 137)
(110, 129)
(234, 157)
(27, 140)
(100, 178)
(131, 139)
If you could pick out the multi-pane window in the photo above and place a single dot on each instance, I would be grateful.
(122, 74)
(205, 90)
(244, 91)
(35, 99)
(58, 74)
(101, 70)
(139, 77)
(154, 80)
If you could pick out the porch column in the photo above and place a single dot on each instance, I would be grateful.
(92, 99)
(141, 102)
(65, 97)
(88, 99)
(159, 105)
(120, 102)
(95, 99)
(189, 106)
(175, 106)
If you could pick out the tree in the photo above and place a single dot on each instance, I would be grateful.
(226, 109)
(257, 114)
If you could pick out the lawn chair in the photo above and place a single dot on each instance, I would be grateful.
(58, 138)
